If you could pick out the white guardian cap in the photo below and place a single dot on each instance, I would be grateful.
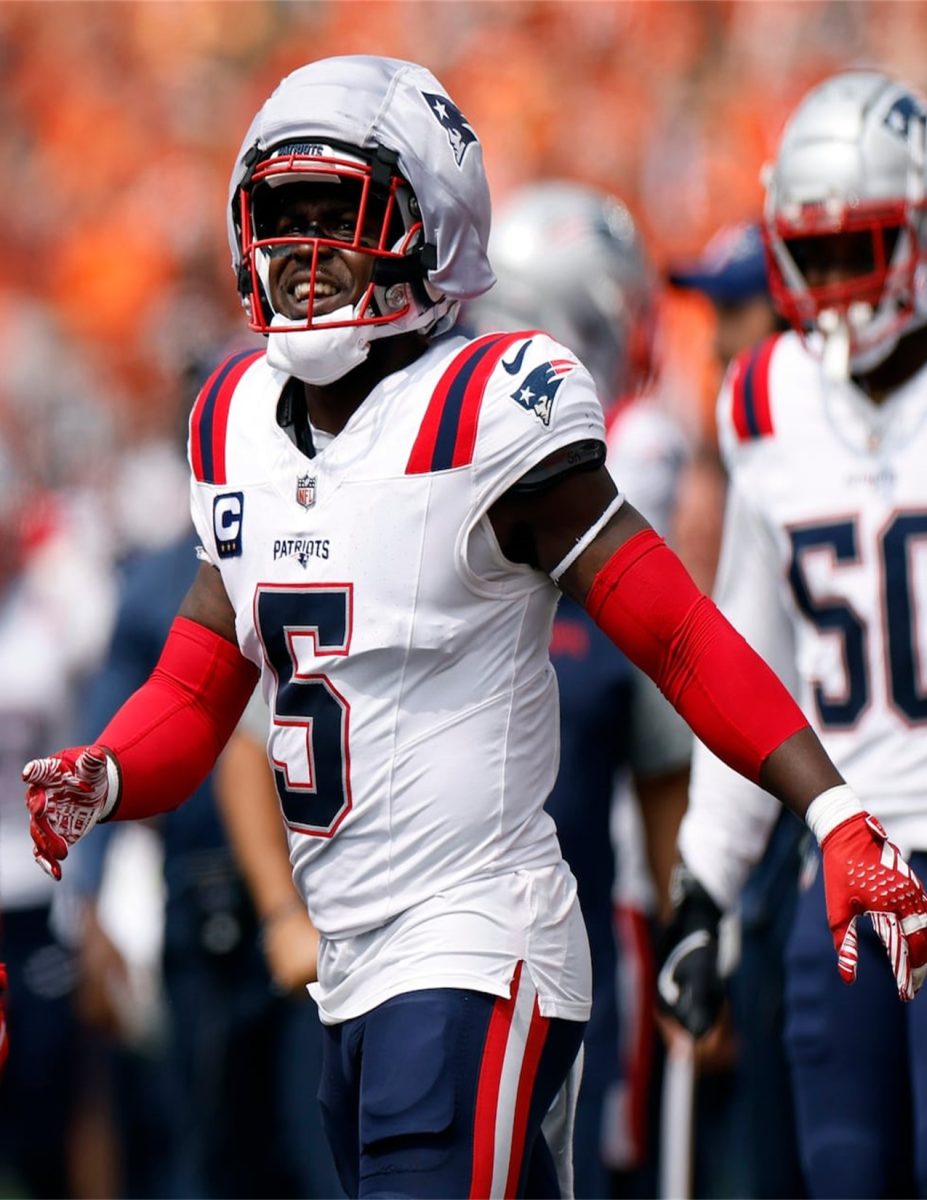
(388, 130)
(570, 260)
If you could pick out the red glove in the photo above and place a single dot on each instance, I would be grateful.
(4, 1039)
(68, 793)
(865, 873)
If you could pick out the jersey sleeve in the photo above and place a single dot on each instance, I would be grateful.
(745, 411)
(727, 438)
(539, 399)
(206, 551)
(729, 820)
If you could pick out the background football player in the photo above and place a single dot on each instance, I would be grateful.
(823, 570)
(744, 1097)
(398, 611)
(570, 259)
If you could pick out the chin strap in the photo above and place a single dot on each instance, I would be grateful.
(319, 355)
(836, 355)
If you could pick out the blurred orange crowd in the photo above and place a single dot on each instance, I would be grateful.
(120, 122)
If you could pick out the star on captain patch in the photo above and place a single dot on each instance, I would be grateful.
(305, 490)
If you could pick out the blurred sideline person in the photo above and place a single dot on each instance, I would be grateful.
(55, 605)
(822, 570)
(569, 259)
(744, 1096)
(731, 273)
(387, 511)
(250, 810)
(242, 1060)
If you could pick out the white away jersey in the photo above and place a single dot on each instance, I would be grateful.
(404, 659)
(824, 571)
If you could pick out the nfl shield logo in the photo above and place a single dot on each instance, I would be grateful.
(305, 491)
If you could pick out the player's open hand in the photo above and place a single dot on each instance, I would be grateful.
(866, 875)
(68, 793)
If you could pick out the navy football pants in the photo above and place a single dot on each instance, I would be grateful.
(442, 1093)
(858, 1057)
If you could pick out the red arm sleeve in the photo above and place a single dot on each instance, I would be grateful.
(648, 604)
(168, 734)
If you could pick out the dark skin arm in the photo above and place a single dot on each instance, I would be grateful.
(208, 604)
(543, 527)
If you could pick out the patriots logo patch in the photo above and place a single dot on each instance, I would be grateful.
(905, 110)
(538, 390)
(458, 129)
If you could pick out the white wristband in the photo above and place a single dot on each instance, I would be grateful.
(113, 785)
(830, 809)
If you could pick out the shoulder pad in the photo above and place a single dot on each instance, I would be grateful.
(447, 435)
(751, 415)
(210, 416)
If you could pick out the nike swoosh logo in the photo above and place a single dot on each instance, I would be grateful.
(514, 366)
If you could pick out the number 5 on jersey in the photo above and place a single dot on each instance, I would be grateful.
(314, 786)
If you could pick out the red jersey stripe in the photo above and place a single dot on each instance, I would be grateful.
(761, 387)
(447, 435)
(209, 419)
(473, 399)
(738, 408)
(751, 411)
(534, 1048)
(487, 1093)
(424, 447)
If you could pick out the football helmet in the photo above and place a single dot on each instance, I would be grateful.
(569, 260)
(847, 190)
(387, 132)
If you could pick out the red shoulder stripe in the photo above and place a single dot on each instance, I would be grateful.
(447, 434)
(761, 387)
(210, 416)
(751, 412)
(473, 399)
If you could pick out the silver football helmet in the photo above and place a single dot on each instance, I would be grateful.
(569, 260)
(847, 190)
(386, 130)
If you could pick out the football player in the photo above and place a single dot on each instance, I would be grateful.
(824, 430)
(570, 259)
(744, 1097)
(387, 510)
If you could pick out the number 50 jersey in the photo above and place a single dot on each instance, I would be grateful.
(413, 733)
(824, 571)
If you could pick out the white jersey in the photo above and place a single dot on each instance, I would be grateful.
(824, 571)
(404, 659)
(647, 451)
